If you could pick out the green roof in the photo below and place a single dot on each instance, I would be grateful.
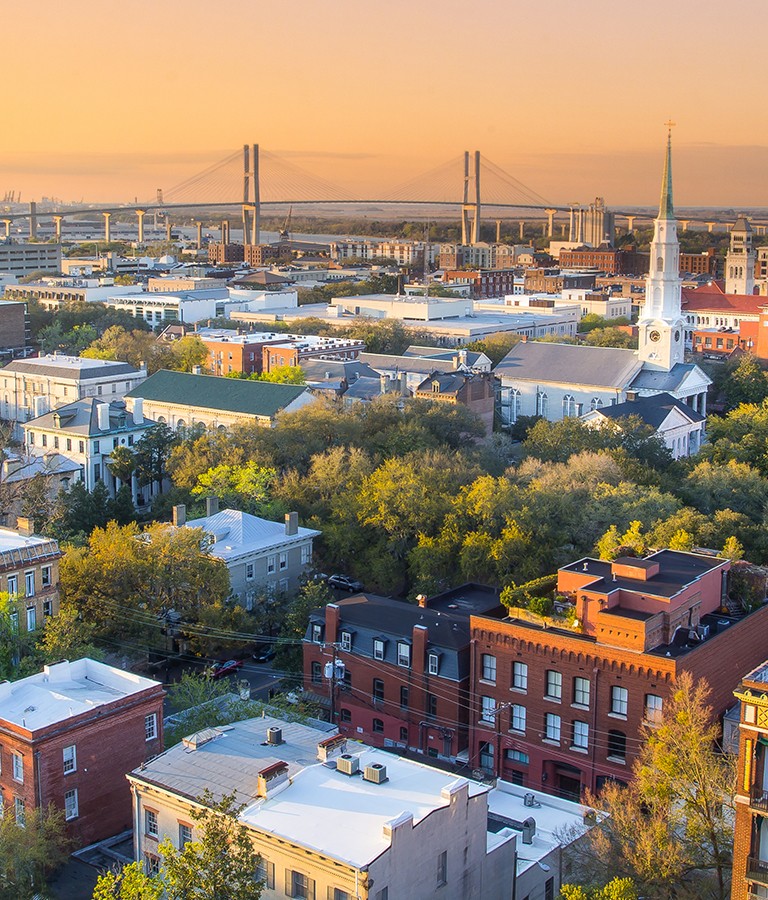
(253, 398)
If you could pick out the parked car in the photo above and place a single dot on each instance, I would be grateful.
(345, 583)
(222, 669)
(264, 653)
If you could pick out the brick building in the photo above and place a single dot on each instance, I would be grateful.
(750, 842)
(407, 668)
(14, 326)
(563, 709)
(552, 281)
(475, 391)
(69, 735)
(293, 349)
(704, 263)
(222, 253)
(29, 571)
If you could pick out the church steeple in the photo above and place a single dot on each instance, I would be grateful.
(666, 207)
(661, 325)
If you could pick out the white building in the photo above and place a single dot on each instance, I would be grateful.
(53, 293)
(262, 557)
(86, 432)
(558, 380)
(334, 820)
(740, 260)
(31, 387)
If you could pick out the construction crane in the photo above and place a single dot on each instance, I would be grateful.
(285, 231)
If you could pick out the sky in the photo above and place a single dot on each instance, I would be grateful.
(108, 100)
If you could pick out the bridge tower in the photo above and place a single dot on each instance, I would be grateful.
(251, 195)
(470, 211)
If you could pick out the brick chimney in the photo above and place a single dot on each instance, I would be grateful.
(419, 637)
(291, 523)
(25, 525)
(331, 623)
(179, 515)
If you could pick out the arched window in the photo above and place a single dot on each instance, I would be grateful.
(569, 405)
(595, 403)
(542, 404)
(659, 264)
(617, 745)
(516, 406)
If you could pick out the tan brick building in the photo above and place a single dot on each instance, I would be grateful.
(29, 572)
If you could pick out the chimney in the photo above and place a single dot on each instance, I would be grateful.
(179, 515)
(291, 523)
(25, 525)
(631, 396)
(331, 623)
(271, 777)
(404, 384)
(421, 599)
(102, 413)
(419, 650)
(211, 506)
(138, 411)
(383, 384)
(197, 370)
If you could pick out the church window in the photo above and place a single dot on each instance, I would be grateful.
(659, 264)
(542, 404)
(569, 405)
(516, 405)
(595, 403)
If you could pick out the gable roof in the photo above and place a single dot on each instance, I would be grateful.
(255, 398)
(652, 410)
(545, 363)
(82, 417)
(441, 353)
(384, 362)
(659, 380)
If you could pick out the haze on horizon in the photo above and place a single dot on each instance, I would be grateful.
(110, 102)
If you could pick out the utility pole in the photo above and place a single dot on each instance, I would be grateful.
(334, 673)
(495, 712)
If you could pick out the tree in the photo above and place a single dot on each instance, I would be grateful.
(747, 383)
(29, 851)
(245, 487)
(151, 454)
(313, 595)
(220, 864)
(672, 827)
(122, 464)
(283, 375)
(616, 889)
(66, 636)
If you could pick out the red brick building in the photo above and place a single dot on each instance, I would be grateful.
(293, 349)
(561, 709)
(407, 668)
(750, 841)
(605, 259)
(225, 253)
(476, 392)
(69, 735)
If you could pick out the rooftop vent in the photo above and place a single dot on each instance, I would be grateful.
(529, 830)
(330, 747)
(274, 736)
(376, 772)
(271, 777)
(348, 764)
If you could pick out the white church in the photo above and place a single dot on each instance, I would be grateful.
(560, 380)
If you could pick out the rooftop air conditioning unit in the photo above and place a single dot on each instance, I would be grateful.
(376, 772)
(348, 764)
(274, 736)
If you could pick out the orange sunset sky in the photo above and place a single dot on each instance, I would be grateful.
(110, 100)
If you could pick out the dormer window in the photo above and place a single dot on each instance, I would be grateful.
(433, 664)
(403, 654)
(378, 648)
(346, 640)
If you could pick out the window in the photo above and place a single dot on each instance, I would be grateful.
(383, 894)
(617, 746)
(13, 585)
(81, 446)
(554, 688)
(569, 406)
(271, 564)
(185, 834)
(70, 804)
(487, 709)
(542, 404)
(431, 706)
(653, 706)
(403, 654)
(346, 640)
(150, 822)
(517, 756)
(317, 673)
(552, 727)
(489, 667)
(378, 648)
(31, 618)
(250, 571)
(317, 634)
(403, 735)
(378, 689)
(14, 617)
(17, 761)
(517, 718)
(486, 756)
(442, 868)
(265, 873)
(19, 811)
(403, 697)
(44, 439)
(306, 554)
(283, 561)
(520, 676)
(96, 447)
(150, 727)
(45, 576)
(619, 697)
(581, 691)
(151, 864)
(580, 735)
(345, 715)
(29, 584)
(378, 726)
(433, 664)
(299, 885)
(97, 472)
(70, 759)
(595, 403)
(549, 889)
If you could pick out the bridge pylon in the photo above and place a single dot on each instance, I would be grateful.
(251, 195)
(470, 210)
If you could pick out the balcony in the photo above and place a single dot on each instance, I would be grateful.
(759, 799)
(757, 870)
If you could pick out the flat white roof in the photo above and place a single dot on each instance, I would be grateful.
(65, 690)
(344, 816)
(14, 540)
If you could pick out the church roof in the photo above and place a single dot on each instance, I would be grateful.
(742, 224)
(711, 298)
(652, 410)
(604, 367)
(666, 207)
(654, 380)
